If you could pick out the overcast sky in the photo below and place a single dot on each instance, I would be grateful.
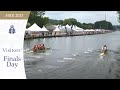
(84, 16)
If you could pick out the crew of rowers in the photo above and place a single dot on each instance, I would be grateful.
(38, 47)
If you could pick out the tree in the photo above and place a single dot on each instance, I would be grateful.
(73, 21)
(60, 22)
(103, 25)
(37, 17)
(87, 26)
(45, 20)
(66, 21)
(55, 22)
(78, 24)
(37, 13)
(70, 21)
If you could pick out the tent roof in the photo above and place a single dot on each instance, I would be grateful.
(97, 30)
(77, 28)
(68, 26)
(55, 25)
(34, 27)
(89, 30)
(57, 29)
(50, 27)
(44, 29)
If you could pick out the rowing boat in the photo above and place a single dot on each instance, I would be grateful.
(41, 51)
(103, 53)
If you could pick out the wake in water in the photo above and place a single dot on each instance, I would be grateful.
(30, 50)
(89, 50)
(26, 50)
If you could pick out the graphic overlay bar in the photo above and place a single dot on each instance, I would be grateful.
(12, 29)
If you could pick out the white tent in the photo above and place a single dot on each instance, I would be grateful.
(75, 28)
(55, 25)
(67, 26)
(57, 30)
(71, 26)
(60, 27)
(78, 28)
(92, 30)
(44, 29)
(34, 28)
(97, 30)
(89, 30)
(63, 29)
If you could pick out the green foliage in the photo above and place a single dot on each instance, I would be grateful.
(73, 21)
(87, 26)
(37, 13)
(116, 27)
(55, 22)
(70, 21)
(49, 24)
(67, 21)
(60, 22)
(78, 24)
(103, 25)
(37, 17)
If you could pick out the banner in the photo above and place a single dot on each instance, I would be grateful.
(12, 29)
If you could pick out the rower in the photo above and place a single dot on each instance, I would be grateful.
(43, 46)
(104, 48)
(34, 48)
(39, 46)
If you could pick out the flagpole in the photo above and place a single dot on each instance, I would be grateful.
(106, 20)
(105, 15)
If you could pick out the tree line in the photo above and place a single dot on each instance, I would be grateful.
(38, 18)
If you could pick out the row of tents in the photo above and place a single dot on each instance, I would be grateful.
(35, 30)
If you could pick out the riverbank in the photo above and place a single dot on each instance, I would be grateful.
(50, 36)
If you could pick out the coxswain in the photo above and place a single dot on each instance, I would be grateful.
(34, 48)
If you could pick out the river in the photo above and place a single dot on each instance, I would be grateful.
(75, 57)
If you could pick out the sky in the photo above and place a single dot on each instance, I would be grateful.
(84, 16)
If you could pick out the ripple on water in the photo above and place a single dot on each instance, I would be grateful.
(36, 56)
(60, 61)
(49, 66)
(90, 50)
(74, 54)
(67, 58)
(40, 70)
(47, 53)
(86, 52)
